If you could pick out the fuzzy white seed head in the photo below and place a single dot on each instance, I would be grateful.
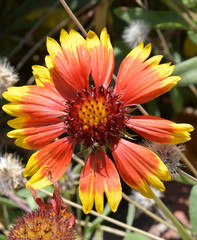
(147, 203)
(135, 33)
(7, 75)
(11, 172)
(169, 154)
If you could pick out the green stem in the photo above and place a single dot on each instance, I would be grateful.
(183, 14)
(184, 234)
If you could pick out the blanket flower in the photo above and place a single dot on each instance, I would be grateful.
(72, 100)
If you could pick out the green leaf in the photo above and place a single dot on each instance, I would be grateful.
(156, 19)
(190, 3)
(192, 35)
(98, 235)
(193, 208)
(87, 219)
(136, 236)
(25, 193)
(130, 215)
(184, 179)
(2, 237)
(177, 99)
(97, 222)
(153, 108)
(188, 71)
(7, 202)
(77, 169)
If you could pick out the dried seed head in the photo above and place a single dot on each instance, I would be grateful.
(168, 153)
(11, 172)
(147, 203)
(7, 75)
(51, 222)
(135, 33)
(43, 224)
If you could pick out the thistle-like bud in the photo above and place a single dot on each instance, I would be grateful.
(135, 33)
(8, 77)
(169, 154)
(11, 172)
(147, 203)
(48, 222)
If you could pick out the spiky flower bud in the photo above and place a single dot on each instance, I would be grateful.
(169, 154)
(11, 172)
(135, 33)
(50, 222)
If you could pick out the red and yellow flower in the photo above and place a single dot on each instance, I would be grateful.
(97, 116)
(48, 222)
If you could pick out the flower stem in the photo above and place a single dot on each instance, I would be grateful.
(75, 20)
(149, 213)
(181, 172)
(188, 164)
(142, 110)
(165, 45)
(181, 230)
(104, 228)
(183, 14)
(109, 219)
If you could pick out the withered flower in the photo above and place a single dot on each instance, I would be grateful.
(48, 222)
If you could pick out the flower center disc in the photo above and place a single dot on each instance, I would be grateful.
(95, 116)
(93, 112)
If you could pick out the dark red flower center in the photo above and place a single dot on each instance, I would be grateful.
(95, 116)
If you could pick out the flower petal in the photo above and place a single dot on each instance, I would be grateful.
(102, 57)
(71, 63)
(99, 175)
(37, 137)
(42, 75)
(138, 165)
(140, 81)
(34, 101)
(63, 87)
(41, 131)
(160, 130)
(24, 122)
(55, 156)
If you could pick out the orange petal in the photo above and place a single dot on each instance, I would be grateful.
(70, 63)
(34, 101)
(99, 176)
(160, 130)
(35, 132)
(58, 81)
(64, 88)
(55, 156)
(42, 75)
(24, 122)
(37, 137)
(140, 81)
(102, 57)
(139, 166)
